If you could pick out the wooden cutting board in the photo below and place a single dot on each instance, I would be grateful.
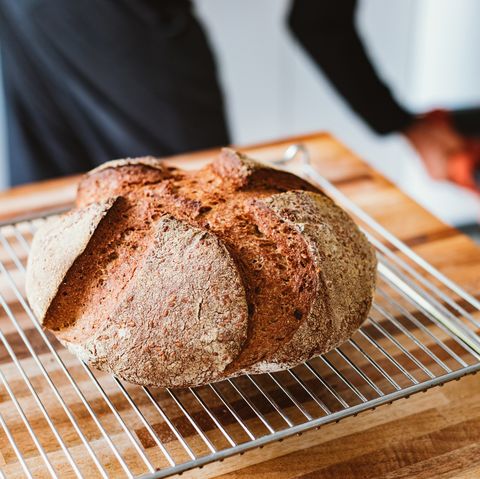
(435, 434)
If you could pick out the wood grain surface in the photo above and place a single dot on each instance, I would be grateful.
(429, 435)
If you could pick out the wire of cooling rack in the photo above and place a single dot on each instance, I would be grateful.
(59, 417)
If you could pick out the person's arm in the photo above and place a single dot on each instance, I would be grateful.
(326, 29)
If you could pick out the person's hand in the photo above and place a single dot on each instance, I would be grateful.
(436, 142)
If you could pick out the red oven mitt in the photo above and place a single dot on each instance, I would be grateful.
(464, 168)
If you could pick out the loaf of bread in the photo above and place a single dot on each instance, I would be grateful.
(175, 278)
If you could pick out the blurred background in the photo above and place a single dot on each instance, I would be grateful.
(426, 50)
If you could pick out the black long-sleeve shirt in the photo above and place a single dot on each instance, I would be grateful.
(91, 80)
(326, 29)
(88, 80)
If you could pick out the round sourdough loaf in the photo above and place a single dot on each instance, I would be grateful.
(176, 278)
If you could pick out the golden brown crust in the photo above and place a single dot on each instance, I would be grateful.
(114, 178)
(192, 277)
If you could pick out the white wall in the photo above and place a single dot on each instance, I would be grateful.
(446, 63)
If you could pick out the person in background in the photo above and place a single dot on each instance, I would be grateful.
(89, 81)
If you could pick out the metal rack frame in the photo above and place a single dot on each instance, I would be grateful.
(58, 415)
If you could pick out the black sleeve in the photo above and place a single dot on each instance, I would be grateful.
(326, 29)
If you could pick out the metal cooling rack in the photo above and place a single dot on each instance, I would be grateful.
(60, 418)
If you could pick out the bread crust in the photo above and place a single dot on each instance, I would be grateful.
(55, 247)
(170, 327)
(176, 278)
(115, 177)
(345, 265)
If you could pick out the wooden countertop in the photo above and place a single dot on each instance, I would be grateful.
(430, 435)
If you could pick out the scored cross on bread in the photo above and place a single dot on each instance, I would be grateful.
(177, 278)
